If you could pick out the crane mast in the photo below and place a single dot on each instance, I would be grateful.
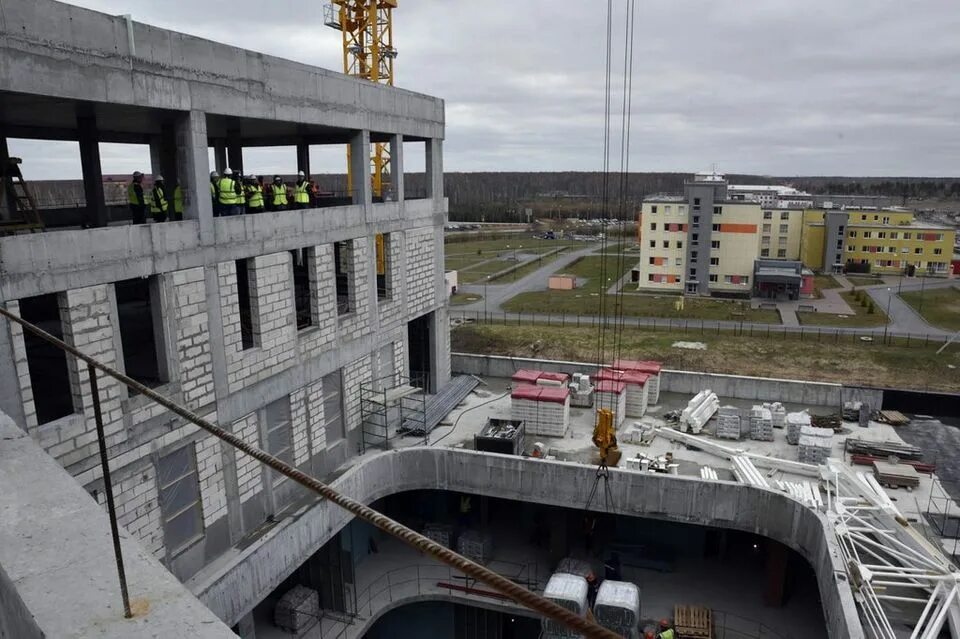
(368, 53)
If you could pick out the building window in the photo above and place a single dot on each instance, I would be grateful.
(766, 228)
(679, 245)
(244, 304)
(650, 277)
(279, 433)
(784, 215)
(713, 277)
(718, 210)
(894, 235)
(141, 330)
(696, 201)
(342, 258)
(918, 250)
(852, 234)
(693, 255)
(693, 272)
(765, 239)
(891, 249)
(382, 264)
(886, 220)
(653, 244)
(303, 261)
(180, 505)
(653, 261)
(714, 261)
(653, 226)
(851, 248)
(49, 374)
(678, 261)
(938, 251)
(696, 221)
(715, 244)
(876, 218)
(666, 209)
(781, 252)
(768, 215)
(333, 408)
(882, 235)
(907, 236)
(839, 245)
(784, 228)
(782, 241)
(765, 252)
(867, 235)
(666, 244)
(681, 208)
(863, 218)
(653, 209)
(716, 228)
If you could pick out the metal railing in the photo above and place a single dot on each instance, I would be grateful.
(393, 528)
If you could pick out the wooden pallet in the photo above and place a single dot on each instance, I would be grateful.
(693, 622)
(893, 417)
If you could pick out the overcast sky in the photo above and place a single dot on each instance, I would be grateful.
(780, 87)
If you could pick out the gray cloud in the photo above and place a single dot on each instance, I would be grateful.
(858, 87)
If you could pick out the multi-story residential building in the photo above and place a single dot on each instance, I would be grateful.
(706, 241)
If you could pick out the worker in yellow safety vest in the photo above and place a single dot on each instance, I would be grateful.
(215, 192)
(159, 205)
(138, 203)
(177, 203)
(227, 195)
(666, 632)
(301, 191)
(254, 195)
(278, 193)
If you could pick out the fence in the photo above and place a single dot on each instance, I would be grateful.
(866, 337)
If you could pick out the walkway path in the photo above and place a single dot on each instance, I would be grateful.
(901, 314)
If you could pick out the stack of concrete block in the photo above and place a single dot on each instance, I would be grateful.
(531, 377)
(298, 609)
(570, 592)
(545, 410)
(815, 444)
(581, 391)
(636, 388)
(795, 422)
(698, 412)
(778, 414)
(440, 533)
(761, 424)
(651, 368)
(475, 545)
(728, 422)
(612, 395)
(617, 607)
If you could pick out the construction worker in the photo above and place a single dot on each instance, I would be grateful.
(226, 193)
(278, 193)
(177, 203)
(138, 204)
(215, 193)
(159, 204)
(666, 632)
(254, 195)
(301, 194)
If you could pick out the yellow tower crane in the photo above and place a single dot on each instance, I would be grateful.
(368, 53)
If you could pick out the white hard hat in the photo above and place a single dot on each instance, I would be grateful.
(227, 171)
(214, 174)
(158, 178)
(300, 173)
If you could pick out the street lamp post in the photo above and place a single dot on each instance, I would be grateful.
(923, 283)
(485, 282)
(887, 325)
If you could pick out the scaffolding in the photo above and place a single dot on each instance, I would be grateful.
(386, 405)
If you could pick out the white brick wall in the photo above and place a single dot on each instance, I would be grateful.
(138, 507)
(400, 358)
(323, 299)
(354, 374)
(21, 369)
(272, 318)
(391, 309)
(192, 337)
(299, 426)
(213, 493)
(249, 479)
(421, 271)
(315, 418)
(356, 257)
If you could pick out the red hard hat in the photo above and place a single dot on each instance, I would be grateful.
(664, 624)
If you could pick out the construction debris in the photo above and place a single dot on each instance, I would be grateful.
(298, 609)
(827, 421)
(851, 411)
(892, 417)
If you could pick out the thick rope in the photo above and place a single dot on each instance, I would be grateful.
(516, 592)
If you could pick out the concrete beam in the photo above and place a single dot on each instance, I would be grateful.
(232, 591)
(434, 168)
(96, 214)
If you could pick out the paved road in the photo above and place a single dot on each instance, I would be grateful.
(902, 315)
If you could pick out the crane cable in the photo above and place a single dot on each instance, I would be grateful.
(516, 592)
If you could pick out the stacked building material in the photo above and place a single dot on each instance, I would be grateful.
(708, 473)
(761, 424)
(617, 607)
(851, 411)
(440, 533)
(796, 421)
(475, 545)
(581, 391)
(531, 377)
(651, 368)
(728, 422)
(816, 444)
(636, 393)
(570, 592)
(745, 471)
(896, 475)
(297, 610)
(698, 412)
(544, 410)
(778, 414)
(612, 395)
(573, 566)
(883, 449)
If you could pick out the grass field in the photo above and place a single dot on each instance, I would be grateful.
(467, 257)
(941, 306)
(847, 361)
(860, 280)
(459, 299)
(479, 272)
(861, 319)
(526, 269)
(824, 282)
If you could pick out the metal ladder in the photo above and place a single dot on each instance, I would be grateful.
(24, 216)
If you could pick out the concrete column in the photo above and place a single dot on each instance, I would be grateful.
(193, 167)
(303, 158)
(96, 214)
(220, 155)
(235, 151)
(434, 168)
(360, 168)
(396, 166)
(10, 200)
(246, 628)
